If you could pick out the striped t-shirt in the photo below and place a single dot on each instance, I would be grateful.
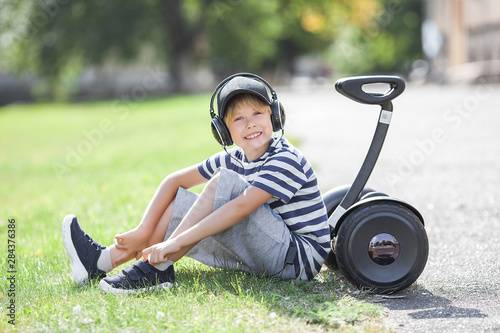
(284, 172)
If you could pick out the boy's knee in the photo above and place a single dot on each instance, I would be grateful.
(207, 196)
(211, 185)
(229, 185)
(170, 208)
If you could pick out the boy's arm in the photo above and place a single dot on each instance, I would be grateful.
(226, 216)
(221, 219)
(166, 192)
(133, 241)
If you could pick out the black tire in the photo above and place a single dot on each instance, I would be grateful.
(333, 202)
(374, 271)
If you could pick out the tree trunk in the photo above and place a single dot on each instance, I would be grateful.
(179, 40)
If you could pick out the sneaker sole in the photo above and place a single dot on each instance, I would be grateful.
(106, 287)
(79, 272)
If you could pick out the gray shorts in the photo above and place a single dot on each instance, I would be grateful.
(258, 244)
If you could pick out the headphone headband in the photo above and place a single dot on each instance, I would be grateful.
(229, 78)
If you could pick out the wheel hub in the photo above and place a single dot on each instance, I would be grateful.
(383, 249)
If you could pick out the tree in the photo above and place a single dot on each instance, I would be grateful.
(387, 41)
(310, 26)
(243, 35)
(291, 28)
(59, 37)
(55, 39)
(183, 23)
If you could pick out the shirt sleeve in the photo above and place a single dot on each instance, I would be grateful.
(282, 175)
(208, 167)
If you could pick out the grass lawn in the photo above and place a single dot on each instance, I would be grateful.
(103, 161)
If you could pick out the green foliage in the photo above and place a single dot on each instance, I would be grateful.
(243, 34)
(388, 42)
(56, 39)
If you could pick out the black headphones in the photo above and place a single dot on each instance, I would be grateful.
(219, 128)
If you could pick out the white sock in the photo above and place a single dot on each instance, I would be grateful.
(164, 265)
(104, 262)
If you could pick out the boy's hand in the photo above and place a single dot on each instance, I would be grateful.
(161, 252)
(131, 244)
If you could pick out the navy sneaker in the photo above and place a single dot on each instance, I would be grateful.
(82, 250)
(140, 277)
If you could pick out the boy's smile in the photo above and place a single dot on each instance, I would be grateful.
(251, 130)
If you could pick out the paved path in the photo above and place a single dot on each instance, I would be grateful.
(442, 155)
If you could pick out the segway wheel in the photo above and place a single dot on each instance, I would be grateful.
(382, 247)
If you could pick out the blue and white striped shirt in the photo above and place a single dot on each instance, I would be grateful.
(284, 172)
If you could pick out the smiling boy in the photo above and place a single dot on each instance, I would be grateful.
(260, 211)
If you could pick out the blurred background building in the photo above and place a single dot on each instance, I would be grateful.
(463, 39)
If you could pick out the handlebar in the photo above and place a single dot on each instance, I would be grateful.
(352, 87)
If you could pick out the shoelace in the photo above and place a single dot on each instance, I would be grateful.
(93, 242)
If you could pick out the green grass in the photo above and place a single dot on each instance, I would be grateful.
(103, 161)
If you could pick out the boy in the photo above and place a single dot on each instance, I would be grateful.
(260, 211)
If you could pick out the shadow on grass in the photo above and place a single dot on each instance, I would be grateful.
(323, 301)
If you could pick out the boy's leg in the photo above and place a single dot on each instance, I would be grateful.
(84, 253)
(155, 238)
(90, 260)
(161, 227)
(198, 210)
(184, 202)
(87, 257)
(259, 243)
(142, 276)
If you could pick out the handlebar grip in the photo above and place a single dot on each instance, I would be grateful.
(352, 87)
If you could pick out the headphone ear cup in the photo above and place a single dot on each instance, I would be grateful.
(221, 132)
(283, 116)
(277, 115)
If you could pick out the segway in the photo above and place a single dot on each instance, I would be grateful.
(378, 242)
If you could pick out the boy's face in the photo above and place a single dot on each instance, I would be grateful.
(251, 130)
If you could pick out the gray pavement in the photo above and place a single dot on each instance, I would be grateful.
(442, 155)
